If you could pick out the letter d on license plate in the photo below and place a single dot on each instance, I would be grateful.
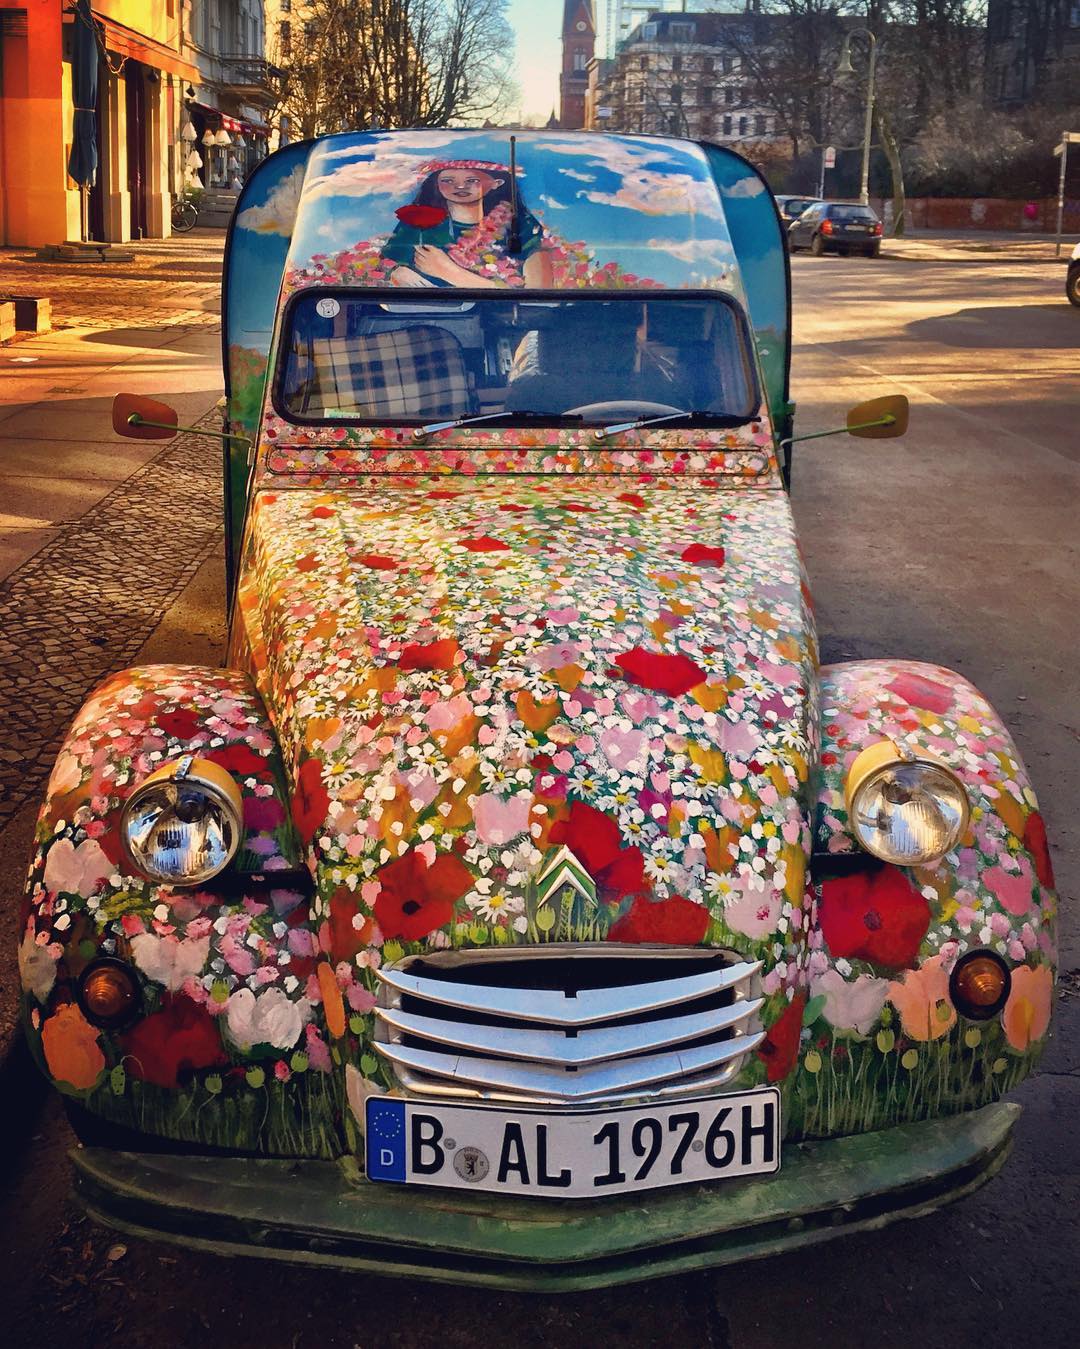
(572, 1154)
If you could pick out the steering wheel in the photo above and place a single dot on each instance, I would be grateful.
(629, 409)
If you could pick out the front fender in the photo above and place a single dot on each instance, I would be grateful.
(885, 1042)
(228, 1046)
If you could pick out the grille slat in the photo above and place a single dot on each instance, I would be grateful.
(555, 1008)
(584, 1047)
(610, 1078)
(567, 1024)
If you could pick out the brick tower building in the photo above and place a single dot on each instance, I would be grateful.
(578, 45)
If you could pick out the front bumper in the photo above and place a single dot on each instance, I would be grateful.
(313, 1213)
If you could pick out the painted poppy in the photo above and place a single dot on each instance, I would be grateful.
(310, 800)
(703, 556)
(875, 915)
(1036, 844)
(673, 675)
(780, 1048)
(182, 724)
(673, 922)
(429, 655)
(420, 217)
(415, 898)
(377, 562)
(918, 691)
(239, 759)
(484, 543)
(179, 1039)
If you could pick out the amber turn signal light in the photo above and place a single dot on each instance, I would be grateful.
(109, 993)
(980, 985)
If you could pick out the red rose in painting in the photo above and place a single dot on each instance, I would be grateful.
(703, 556)
(673, 675)
(918, 691)
(415, 898)
(181, 1037)
(672, 922)
(1036, 844)
(420, 217)
(780, 1048)
(430, 655)
(310, 800)
(876, 915)
(594, 839)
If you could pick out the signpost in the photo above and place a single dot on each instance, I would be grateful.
(1062, 150)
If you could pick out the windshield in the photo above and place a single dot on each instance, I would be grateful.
(366, 359)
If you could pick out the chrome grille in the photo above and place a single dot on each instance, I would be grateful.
(568, 1025)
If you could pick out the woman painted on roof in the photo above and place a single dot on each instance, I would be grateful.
(456, 230)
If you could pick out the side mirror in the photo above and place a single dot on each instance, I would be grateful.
(879, 418)
(143, 418)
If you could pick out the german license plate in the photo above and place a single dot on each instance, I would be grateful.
(857, 229)
(571, 1154)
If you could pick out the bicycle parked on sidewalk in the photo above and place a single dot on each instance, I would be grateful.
(185, 213)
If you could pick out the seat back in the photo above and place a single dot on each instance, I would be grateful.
(407, 372)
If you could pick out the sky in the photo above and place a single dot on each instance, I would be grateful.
(537, 25)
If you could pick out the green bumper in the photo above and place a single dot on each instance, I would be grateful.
(311, 1212)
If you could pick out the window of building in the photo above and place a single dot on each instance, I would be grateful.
(707, 125)
(705, 93)
(759, 125)
(648, 31)
(285, 37)
(743, 125)
(681, 32)
(676, 63)
(285, 6)
(644, 63)
(727, 124)
(580, 59)
(726, 65)
(1074, 17)
(729, 95)
(676, 93)
(707, 65)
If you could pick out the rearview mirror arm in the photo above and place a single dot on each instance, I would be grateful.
(135, 420)
(887, 420)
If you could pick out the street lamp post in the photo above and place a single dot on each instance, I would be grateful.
(846, 68)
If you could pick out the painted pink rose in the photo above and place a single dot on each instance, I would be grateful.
(76, 871)
(1011, 888)
(498, 821)
(853, 1006)
(752, 912)
(624, 747)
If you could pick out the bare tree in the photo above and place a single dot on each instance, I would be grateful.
(397, 63)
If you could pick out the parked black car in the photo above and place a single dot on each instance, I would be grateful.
(1072, 280)
(837, 227)
(792, 207)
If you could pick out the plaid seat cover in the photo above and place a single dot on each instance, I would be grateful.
(410, 372)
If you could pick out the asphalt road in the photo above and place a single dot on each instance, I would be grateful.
(956, 545)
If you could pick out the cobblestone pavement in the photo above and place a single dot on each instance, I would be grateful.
(174, 281)
(85, 603)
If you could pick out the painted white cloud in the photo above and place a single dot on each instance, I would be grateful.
(746, 187)
(713, 251)
(551, 203)
(652, 193)
(277, 214)
(581, 177)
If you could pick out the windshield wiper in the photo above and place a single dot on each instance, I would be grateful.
(715, 419)
(525, 416)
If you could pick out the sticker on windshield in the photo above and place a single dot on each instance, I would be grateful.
(328, 308)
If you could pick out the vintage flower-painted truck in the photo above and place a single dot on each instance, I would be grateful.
(522, 903)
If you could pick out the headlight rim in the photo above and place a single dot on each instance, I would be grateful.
(216, 783)
(877, 758)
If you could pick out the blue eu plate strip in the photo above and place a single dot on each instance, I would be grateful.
(385, 1152)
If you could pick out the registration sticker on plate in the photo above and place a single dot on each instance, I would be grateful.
(573, 1154)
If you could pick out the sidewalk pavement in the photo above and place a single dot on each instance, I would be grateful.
(979, 246)
(101, 539)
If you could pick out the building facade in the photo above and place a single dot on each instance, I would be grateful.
(578, 47)
(682, 74)
(142, 73)
(228, 105)
(1032, 52)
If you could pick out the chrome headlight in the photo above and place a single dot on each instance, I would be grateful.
(183, 824)
(906, 808)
